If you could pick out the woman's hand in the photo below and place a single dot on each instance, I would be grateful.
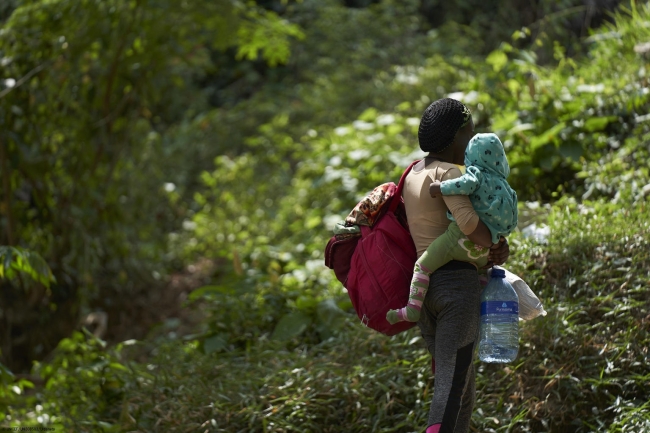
(499, 252)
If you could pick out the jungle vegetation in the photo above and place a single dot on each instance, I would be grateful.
(171, 171)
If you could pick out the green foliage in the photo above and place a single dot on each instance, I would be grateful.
(553, 120)
(10, 390)
(470, 24)
(580, 366)
(110, 75)
(556, 124)
(270, 210)
(292, 308)
(90, 90)
(264, 33)
(580, 369)
(285, 193)
(84, 385)
(107, 135)
(15, 262)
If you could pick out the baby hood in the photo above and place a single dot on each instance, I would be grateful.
(486, 152)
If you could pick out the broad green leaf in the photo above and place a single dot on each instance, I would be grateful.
(572, 151)
(210, 290)
(6, 376)
(26, 262)
(497, 59)
(504, 120)
(547, 162)
(313, 222)
(214, 343)
(521, 128)
(345, 304)
(24, 383)
(546, 137)
(594, 124)
(118, 366)
(369, 114)
(8, 258)
(105, 425)
(306, 302)
(291, 325)
(330, 314)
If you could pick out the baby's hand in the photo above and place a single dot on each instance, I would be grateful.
(434, 189)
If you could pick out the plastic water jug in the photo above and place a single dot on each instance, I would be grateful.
(499, 326)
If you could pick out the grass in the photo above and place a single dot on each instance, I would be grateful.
(582, 368)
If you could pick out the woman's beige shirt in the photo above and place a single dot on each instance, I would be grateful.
(427, 216)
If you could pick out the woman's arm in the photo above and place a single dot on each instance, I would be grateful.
(499, 252)
(475, 230)
(467, 220)
(463, 212)
(481, 235)
(470, 224)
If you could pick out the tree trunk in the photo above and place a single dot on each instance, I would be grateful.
(6, 189)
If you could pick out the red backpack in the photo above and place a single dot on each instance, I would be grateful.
(376, 266)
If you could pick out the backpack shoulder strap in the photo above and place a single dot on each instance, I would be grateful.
(397, 198)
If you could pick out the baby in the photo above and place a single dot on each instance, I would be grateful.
(494, 201)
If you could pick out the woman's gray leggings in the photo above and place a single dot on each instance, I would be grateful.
(449, 324)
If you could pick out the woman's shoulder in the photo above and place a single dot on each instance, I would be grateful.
(440, 166)
(448, 166)
(436, 170)
(448, 171)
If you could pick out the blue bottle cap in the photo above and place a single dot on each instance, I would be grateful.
(498, 273)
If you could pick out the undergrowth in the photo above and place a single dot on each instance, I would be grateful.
(281, 350)
(582, 368)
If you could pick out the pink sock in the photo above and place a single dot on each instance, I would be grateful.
(433, 428)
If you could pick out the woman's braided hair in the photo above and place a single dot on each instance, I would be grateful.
(440, 123)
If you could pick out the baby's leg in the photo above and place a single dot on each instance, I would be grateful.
(437, 254)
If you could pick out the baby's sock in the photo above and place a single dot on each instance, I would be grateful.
(433, 428)
(419, 286)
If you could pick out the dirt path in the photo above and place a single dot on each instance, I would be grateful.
(154, 311)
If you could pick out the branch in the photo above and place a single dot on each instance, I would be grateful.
(111, 116)
(23, 80)
(109, 86)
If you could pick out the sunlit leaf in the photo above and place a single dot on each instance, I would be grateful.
(210, 290)
(547, 136)
(497, 59)
(594, 124)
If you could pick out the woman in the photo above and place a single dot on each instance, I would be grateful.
(449, 317)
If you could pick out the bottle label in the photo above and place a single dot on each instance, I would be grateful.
(499, 307)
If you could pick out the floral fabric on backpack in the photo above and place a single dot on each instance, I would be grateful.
(368, 210)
